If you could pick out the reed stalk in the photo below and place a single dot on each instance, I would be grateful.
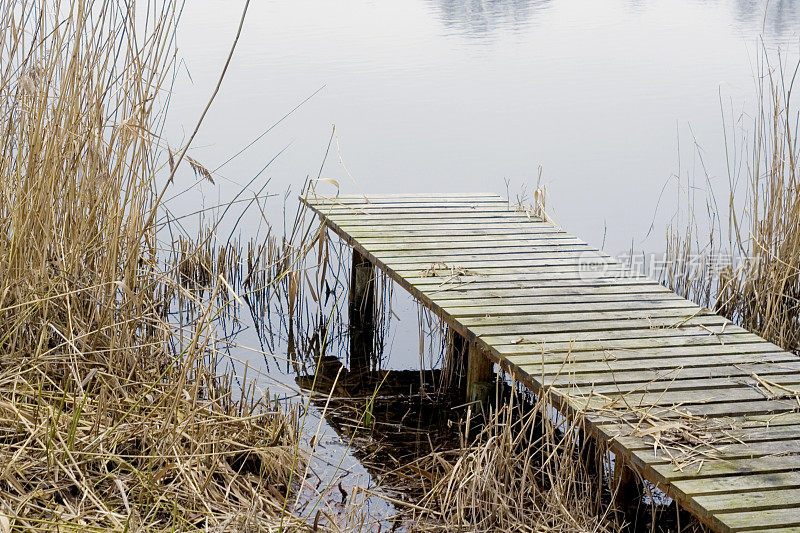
(112, 417)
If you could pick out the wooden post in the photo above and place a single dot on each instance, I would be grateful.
(628, 495)
(454, 371)
(593, 463)
(362, 313)
(480, 374)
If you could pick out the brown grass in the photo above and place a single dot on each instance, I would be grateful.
(760, 289)
(522, 470)
(109, 418)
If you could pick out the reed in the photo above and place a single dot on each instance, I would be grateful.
(112, 414)
(749, 268)
(521, 470)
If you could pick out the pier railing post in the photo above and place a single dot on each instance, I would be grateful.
(480, 374)
(362, 313)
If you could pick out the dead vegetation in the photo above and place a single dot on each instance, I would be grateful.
(747, 268)
(521, 470)
(111, 416)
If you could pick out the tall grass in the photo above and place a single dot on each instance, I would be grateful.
(522, 470)
(748, 269)
(109, 419)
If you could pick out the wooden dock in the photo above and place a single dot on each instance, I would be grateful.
(700, 407)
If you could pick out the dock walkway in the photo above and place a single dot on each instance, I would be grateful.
(700, 407)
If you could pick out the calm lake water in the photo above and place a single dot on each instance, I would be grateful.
(448, 95)
(612, 99)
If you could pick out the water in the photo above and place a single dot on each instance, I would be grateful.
(459, 96)
(611, 99)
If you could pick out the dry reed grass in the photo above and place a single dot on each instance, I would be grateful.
(111, 418)
(522, 470)
(749, 269)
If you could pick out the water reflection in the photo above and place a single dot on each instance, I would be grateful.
(777, 21)
(479, 18)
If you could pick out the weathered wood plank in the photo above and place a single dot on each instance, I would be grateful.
(528, 365)
(761, 520)
(527, 279)
(449, 209)
(392, 219)
(508, 336)
(315, 199)
(451, 264)
(704, 398)
(612, 342)
(645, 354)
(482, 265)
(766, 366)
(499, 307)
(735, 460)
(725, 436)
(490, 285)
(391, 246)
(487, 254)
(757, 500)
(677, 325)
(475, 233)
(711, 381)
(623, 314)
(558, 294)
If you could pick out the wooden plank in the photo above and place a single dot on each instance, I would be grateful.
(527, 279)
(689, 399)
(487, 254)
(644, 354)
(724, 435)
(765, 366)
(510, 244)
(415, 260)
(623, 314)
(756, 500)
(737, 459)
(788, 380)
(472, 295)
(614, 362)
(479, 233)
(381, 202)
(450, 209)
(515, 338)
(612, 342)
(701, 410)
(393, 219)
(568, 368)
(564, 265)
(425, 261)
(760, 520)
(597, 298)
(441, 230)
(676, 325)
(321, 199)
(569, 280)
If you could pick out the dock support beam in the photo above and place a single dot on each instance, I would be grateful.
(362, 313)
(592, 460)
(628, 495)
(480, 374)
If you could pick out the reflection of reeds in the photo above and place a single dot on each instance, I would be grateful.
(112, 417)
(754, 277)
